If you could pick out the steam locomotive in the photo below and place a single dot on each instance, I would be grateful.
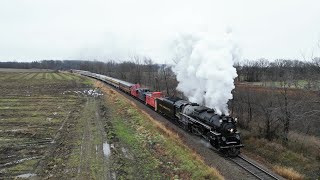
(219, 130)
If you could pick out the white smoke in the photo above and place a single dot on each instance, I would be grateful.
(205, 69)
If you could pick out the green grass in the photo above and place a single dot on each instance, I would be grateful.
(65, 76)
(73, 76)
(29, 76)
(147, 165)
(87, 122)
(56, 76)
(51, 76)
(17, 76)
(39, 76)
(25, 166)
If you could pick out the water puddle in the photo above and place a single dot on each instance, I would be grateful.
(27, 175)
(106, 149)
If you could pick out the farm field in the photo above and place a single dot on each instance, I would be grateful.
(37, 113)
(300, 84)
(57, 125)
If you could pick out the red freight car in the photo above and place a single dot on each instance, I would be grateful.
(134, 91)
(150, 98)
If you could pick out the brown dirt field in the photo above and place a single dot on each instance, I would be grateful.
(290, 91)
(37, 120)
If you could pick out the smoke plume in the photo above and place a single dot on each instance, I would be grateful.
(204, 68)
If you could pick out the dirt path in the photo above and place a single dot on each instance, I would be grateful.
(93, 162)
(99, 147)
(78, 150)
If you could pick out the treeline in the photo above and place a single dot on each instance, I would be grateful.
(46, 64)
(278, 70)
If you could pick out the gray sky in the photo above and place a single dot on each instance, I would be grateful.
(102, 29)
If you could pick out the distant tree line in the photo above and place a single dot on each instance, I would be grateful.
(45, 64)
(279, 70)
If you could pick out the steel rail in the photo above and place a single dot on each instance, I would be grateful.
(258, 170)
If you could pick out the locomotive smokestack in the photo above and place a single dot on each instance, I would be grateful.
(205, 64)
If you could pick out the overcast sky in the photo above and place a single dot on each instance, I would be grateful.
(102, 29)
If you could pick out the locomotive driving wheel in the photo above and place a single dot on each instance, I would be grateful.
(233, 152)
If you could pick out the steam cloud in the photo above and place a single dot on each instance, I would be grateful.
(205, 69)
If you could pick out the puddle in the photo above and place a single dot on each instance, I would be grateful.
(27, 175)
(106, 149)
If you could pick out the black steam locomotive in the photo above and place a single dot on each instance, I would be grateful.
(219, 130)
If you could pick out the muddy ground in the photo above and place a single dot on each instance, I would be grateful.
(39, 114)
(60, 126)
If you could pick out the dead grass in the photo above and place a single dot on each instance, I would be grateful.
(305, 144)
(288, 173)
(159, 126)
(273, 154)
(175, 136)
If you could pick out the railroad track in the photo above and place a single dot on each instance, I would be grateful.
(252, 168)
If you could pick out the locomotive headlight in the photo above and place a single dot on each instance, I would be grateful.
(223, 138)
(220, 120)
(235, 119)
(231, 130)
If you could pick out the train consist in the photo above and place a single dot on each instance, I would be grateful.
(219, 130)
